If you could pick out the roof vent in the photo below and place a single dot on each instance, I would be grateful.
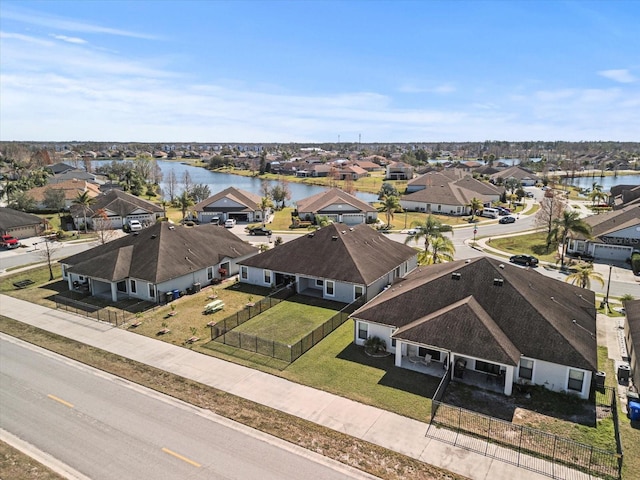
(171, 227)
(468, 260)
(351, 229)
(498, 282)
(343, 232)
(334, 238)
(310, 235)
(135, 234)
(501, 266)
(153, 236)
(456, 275)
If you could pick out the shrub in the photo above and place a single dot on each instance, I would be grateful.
(375, 345)
(635, 263)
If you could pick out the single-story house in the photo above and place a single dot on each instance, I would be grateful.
(624, 195)
(20, 224)
(526, 178)
(512, 324)
(443, 195)
(615, 235)
(399, 171)
(115, 208)
(231, 203)
(71, 189)
(335, 262)
(157, 260)
(338, 206)
(632, 338)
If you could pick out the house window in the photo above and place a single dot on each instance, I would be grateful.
(244, 273)
(152, 290)
(397, 272)
(363, 331)
(209, 273)
(487, 367)
(439, 208)
(393, 342)
(526, 369)
(329, 289)
(121, 286)
(133, 285)
(358, 291)
(435, 354)
(64, 271)
(81, 278)
(319, 282)
(576, 379)
(267, 277)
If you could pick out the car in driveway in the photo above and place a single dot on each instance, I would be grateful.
(527, 260)
(259, 231)
(508, 219)
(9, 242)
(135, 225)
(230, 223)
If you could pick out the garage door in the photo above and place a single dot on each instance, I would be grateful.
(612, 252)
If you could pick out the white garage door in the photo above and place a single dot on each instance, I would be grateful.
(612, 252)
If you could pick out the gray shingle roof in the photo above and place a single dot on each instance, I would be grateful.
(250, 200)
(358, 255)
(610, 222)
(119, 202)
(10, 218)
(541, 317)
(159, 253)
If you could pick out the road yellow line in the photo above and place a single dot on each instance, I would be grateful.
(184, 459)
(53, 397)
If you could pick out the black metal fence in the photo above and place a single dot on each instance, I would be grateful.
(115, 317)
(271, 348)
(225, 325)
(519, 445)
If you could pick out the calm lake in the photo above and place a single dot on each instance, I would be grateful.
(219, 181)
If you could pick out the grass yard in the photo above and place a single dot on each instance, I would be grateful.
(338, 366)
(530, 244)
(291, 320)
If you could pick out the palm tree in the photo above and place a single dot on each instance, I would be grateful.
(475, 204)
(570, 222)
(84, 201)
(430, 229)
(596, 196)
(442, 250)
(264, 205)
(185, 201)
(583, 276)
(390, 205)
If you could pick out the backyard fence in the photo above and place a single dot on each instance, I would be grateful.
(535, 450)
(271, 348)
(224, 326)
(115, 316)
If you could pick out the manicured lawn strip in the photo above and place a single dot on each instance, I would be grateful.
(530, 244)
(39, 275)
(338, 366)
(330, 443)
(16, 465)
(289, 321)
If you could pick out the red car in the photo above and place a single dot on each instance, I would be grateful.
(9, 242)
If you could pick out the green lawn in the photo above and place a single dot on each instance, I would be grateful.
(347, 371)
(530, 244)
(290, 320)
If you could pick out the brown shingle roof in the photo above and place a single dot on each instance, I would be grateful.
(159, 253)
(322, 200)
(607, 223)
(542, 317)
(248, 199)
(358, 255)
(10, 218)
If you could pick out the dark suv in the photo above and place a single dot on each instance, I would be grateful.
(259, 231)
(527, 260)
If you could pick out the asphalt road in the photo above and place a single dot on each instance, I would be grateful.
(106, 428)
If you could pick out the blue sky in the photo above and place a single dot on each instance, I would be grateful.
(311, 71)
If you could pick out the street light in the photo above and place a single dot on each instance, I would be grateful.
(606, 298)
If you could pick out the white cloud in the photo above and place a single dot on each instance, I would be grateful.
(621, 75)
(439, 89)
(53, 22)
(64, 38)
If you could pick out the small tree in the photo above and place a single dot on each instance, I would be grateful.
(84, 201)
(54, 199)
(49, 249)
(103, 226)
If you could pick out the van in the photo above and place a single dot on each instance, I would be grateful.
(490, 212)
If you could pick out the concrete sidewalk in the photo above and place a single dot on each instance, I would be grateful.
(377, 426)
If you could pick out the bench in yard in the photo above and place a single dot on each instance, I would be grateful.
(23, 283)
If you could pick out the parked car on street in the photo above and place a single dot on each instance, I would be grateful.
(259, 231)
(508, 219)
(230, 223)
(528, 260)
(9, 242)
